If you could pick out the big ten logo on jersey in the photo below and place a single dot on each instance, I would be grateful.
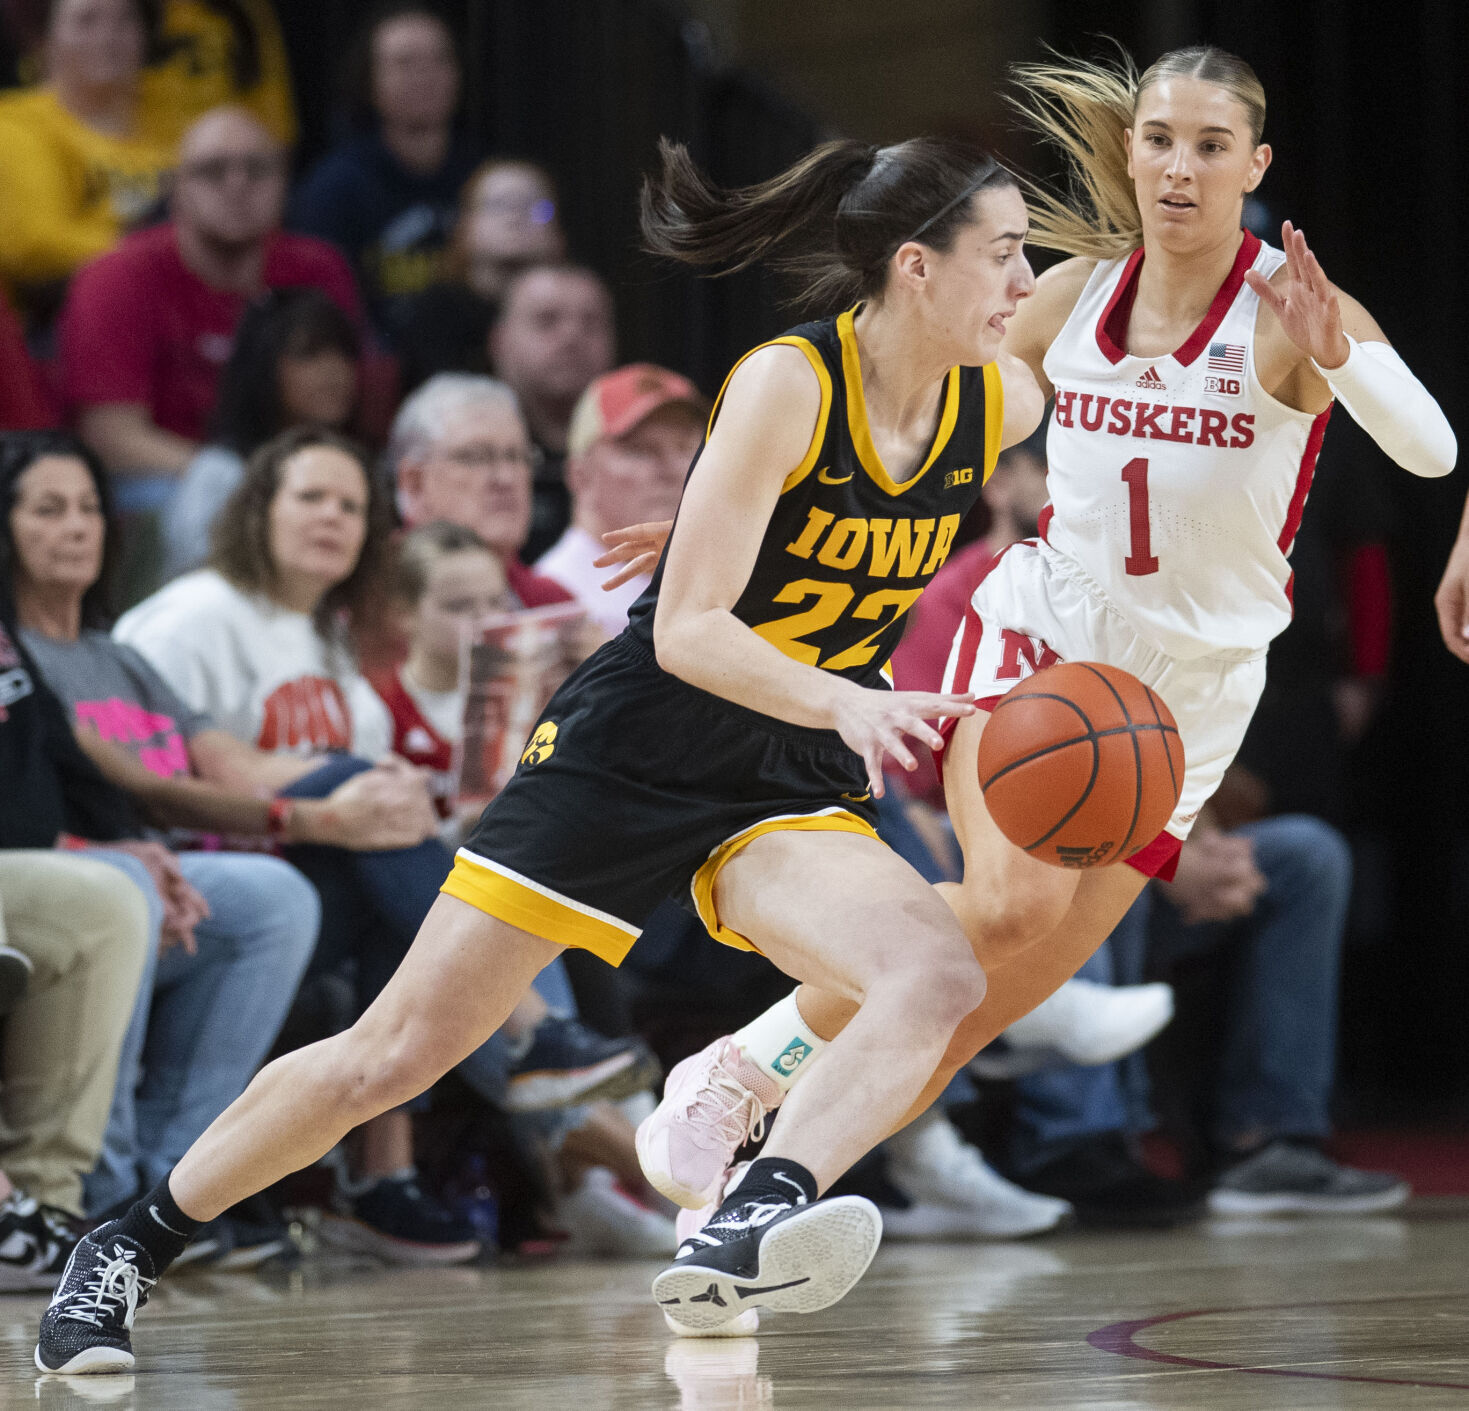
(1154, 421)
(541, 745)
(963, 476)
(1224, 386)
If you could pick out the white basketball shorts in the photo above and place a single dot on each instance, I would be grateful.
(1034, 608)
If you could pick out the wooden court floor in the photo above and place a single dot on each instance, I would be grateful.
(1370, 1313)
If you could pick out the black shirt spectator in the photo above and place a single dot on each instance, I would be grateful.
(389, 195)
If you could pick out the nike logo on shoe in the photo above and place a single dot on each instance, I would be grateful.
(769, 1288)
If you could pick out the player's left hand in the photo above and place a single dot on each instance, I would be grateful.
(1307, 306)
(636, 548)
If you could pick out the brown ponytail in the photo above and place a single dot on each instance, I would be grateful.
(833, 220)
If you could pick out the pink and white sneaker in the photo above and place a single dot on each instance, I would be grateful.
(713, 1103)
(690, 1222)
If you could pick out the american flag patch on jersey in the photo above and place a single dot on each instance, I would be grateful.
(1226, 357)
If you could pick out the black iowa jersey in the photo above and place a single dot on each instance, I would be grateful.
(848, 549)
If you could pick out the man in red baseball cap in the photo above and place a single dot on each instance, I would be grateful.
(632, 437)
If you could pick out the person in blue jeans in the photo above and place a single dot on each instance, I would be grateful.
(1274, 895)
(209, 1006)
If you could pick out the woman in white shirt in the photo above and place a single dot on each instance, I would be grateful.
(263, 640)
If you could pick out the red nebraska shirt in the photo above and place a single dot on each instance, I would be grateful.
(140, 326)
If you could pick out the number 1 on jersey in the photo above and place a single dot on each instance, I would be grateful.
(1140, 561)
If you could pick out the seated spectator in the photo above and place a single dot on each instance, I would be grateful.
(632, 438)
(387, 196)
(78, 169)
(507, 221)
(147, 329)
(218, 53)
(261, 641)
(445, 579)
(83, 927)
(295, 363)
(232, 931)
(553, 335)
(460, 451)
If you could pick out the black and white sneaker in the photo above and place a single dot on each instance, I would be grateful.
(35, 1241)
(86, 1329)
(772, 1254)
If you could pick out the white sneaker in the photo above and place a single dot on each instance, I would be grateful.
(602, 1218)
(1089, 1023)
(955, 1194)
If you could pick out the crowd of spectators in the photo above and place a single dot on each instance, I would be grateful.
(329, 426)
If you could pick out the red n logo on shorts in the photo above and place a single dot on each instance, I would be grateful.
(1015, 645)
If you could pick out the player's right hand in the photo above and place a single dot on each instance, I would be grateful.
(873, 723)
(1452, 601)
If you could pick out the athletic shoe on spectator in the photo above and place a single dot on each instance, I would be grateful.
(395, 1219)
(604, 1218)
(568, 1063)
(1110, 1188)
(954, 1193)
(1082, 1022)
(35, 1242)
(245, 1237)
(1295, 1177)
(15, 977)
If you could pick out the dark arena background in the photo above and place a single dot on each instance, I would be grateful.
(1150, 1292)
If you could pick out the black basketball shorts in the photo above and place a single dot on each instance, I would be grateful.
(636, 786)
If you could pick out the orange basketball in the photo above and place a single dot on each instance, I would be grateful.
(1081, 765)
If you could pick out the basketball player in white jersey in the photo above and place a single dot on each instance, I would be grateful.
(1193, 370)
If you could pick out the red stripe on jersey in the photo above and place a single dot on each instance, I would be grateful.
(1112, 326)
(1198, 340)
(1303, 483)
(1043, 523)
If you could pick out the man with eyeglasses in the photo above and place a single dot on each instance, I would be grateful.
(460, 451)
(148, 327)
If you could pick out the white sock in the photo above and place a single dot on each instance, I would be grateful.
(780, 1043)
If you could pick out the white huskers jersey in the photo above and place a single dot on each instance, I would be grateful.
(1177, 483)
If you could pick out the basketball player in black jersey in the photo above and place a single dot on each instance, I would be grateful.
(724, 748)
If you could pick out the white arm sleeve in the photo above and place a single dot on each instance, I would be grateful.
(1396, 410)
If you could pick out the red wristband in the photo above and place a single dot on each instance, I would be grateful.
(278, 820)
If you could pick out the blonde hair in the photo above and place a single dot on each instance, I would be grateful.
(1083, 109)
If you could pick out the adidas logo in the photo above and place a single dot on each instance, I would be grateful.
(1151, 382)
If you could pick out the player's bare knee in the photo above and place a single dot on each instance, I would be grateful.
(1002, 925)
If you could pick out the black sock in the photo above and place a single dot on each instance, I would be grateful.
(156, 1223)
(774, 1178)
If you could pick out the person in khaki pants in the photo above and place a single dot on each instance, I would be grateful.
(85, 928)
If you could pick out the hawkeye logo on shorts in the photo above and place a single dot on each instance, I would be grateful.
(542, 744)
(959, 477)
(795, 1054)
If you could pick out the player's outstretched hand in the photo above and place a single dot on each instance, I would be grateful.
(1308, 308)
(636, 548)
(1452, 601)
(873, 723)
